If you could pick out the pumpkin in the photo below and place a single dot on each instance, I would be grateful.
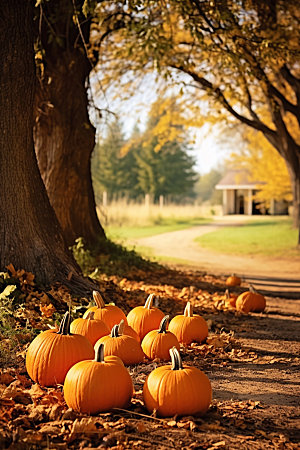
(98, 385)
(233, 280)
(130, 332)
(176, 389)
(157, 343)
(250, 301)
(109, 314)
(89, 327)
(189, 327)
(52, 353)
(145, 318)
(230, 299)
(125, 347)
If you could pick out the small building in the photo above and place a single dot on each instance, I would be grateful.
(238, 195)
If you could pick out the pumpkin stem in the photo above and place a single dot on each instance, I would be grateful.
(90, 315)
(121, 327)
(227, 295)
(251, 289)
(149, 302)
(64, 327)
(188, 310)
(163, 324)
(99, 353)
(115, 331)
(175, 359)
(98, 299)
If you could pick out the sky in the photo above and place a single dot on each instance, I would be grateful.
(209, 149)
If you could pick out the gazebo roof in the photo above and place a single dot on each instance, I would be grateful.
(237, 179)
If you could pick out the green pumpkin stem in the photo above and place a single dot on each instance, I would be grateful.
(149, 302)
(175, 359)
(64, 327)
(188, 310)
(99, 353)
(98, 299)
(163, 324)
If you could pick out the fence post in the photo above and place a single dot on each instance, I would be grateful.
(104, 199)
(161, 201)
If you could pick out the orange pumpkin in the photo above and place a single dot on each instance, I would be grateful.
(89, 327)
(250, 301)
(230, 299)
(145, 318)
(176, 389)
(233, 280)
(125, 347)
(130, 332)
(98, 385)
(157, 343)
(52, 353)
(109, 314)
(189, 327)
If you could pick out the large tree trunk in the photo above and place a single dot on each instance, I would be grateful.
(64, 137)
(295, 182)
(30, 235)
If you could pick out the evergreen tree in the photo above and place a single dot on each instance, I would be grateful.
(164, 166)
(110, 168)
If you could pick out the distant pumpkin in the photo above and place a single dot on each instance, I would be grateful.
(250, 301)
(233, 280)
(230, 298)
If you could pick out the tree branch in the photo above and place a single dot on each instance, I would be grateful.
(220, 97)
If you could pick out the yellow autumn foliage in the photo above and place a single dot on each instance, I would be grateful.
(264, 164)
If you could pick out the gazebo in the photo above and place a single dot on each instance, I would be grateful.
(238, 195)
(238, 191)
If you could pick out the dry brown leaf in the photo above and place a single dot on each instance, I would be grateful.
(49, 428)
(172, 423)
(218, 444)
(6, 378)
(47, 310)
(82, 426)
(35, 391)
(33, 437)
(141, 427)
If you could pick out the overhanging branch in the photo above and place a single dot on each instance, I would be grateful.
(220, 97)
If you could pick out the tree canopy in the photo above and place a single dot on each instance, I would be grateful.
(241, 56)
(155, 161)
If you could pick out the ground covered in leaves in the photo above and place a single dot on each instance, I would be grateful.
(252, 362)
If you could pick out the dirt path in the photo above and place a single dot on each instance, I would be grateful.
(180, 245)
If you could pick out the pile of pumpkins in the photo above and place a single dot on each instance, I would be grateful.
(249, 301)
(89, 356)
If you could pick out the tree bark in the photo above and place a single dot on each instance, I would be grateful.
(64, 137)
(30, 235)
(295, 183)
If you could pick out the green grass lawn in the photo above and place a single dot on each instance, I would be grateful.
(163, 226)
(269, 237)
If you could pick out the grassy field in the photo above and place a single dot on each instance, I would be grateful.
(269, 236)
(124, 221)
